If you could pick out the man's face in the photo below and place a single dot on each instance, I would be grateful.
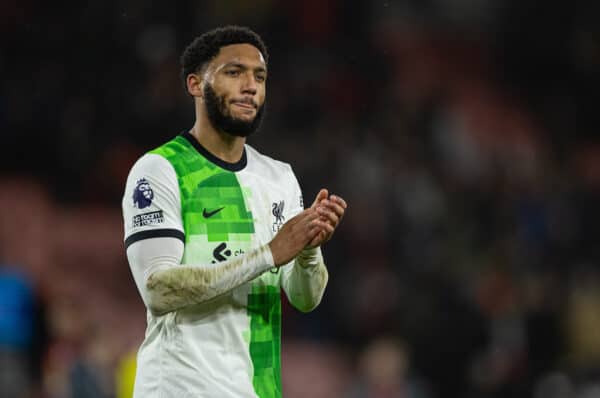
(234, 89)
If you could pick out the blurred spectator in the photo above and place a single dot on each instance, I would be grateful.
(384, 372)
(125, 375)
(21, 334)
(313, 370)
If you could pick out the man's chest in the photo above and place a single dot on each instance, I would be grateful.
(227, 215)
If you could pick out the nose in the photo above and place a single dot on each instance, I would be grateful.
(249, 85)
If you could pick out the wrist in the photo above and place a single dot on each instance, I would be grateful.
(268, 255)
(274, 252)
(309, 257)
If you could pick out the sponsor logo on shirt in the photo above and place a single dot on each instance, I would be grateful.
(142, 194)
(152, 218)
(222, 253)
(278, 213)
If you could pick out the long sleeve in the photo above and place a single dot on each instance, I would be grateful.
(166, 285)
(305, 279)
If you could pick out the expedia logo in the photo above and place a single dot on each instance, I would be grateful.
(222, 253)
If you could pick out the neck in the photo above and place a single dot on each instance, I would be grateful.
(225, 146)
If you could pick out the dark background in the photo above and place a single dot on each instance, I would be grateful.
(461, 133)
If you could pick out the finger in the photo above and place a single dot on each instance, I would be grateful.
(336, 208)
(302, 221)
(313, 236)
(339, 200)
(328, 215)
(320, 236)
(316, 226)
(318, 239)
(323, 193)
(307, 215)
(311, 216)
(324, 225)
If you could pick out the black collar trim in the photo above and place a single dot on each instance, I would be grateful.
(237, 166)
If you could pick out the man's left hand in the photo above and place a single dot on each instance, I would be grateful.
(331, 209)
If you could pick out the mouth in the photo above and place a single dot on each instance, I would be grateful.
(245, 104)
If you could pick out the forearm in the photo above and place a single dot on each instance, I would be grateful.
(305, 282)
(184, 285)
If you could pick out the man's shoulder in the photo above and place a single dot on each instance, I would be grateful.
(176, 146)
(151, 167)
(151, 162)
(260, 161)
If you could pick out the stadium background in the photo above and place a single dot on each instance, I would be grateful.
(461, 132)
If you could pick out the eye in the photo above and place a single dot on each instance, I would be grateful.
(232, 72)
(260, 78)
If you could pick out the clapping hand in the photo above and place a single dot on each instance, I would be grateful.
(331, 209)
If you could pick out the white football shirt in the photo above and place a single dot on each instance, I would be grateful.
(182, 201)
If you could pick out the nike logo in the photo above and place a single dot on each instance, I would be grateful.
(208, 214)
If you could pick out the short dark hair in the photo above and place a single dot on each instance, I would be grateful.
(205, 47)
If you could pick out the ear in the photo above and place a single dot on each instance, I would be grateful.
(194, 85)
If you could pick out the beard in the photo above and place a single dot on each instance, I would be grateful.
(221, 119)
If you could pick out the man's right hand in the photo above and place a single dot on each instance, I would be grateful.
(294, 235)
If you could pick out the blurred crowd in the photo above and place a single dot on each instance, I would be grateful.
(461, 133)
